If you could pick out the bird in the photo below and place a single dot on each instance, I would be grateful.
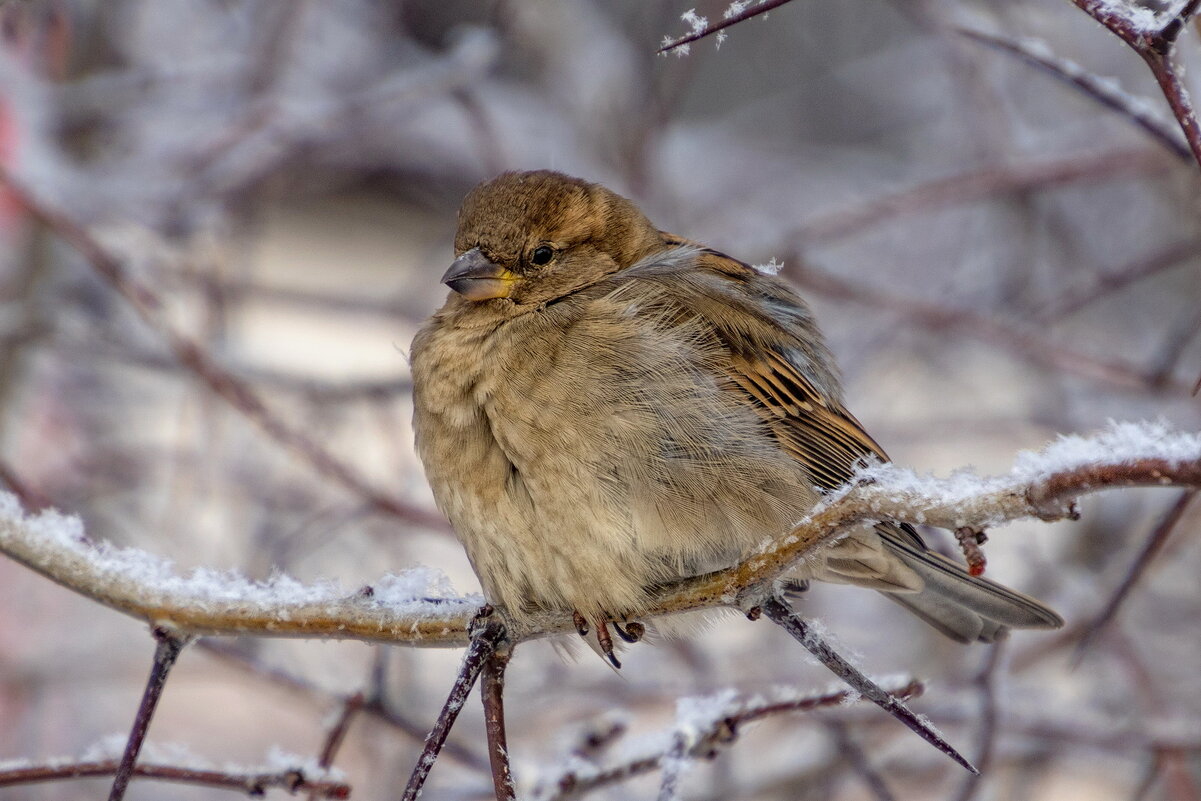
(602, 408)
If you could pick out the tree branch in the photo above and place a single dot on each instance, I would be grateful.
(1043, 486)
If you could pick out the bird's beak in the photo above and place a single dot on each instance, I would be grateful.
(474, 277)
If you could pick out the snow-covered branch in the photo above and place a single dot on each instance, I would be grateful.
(418, 608)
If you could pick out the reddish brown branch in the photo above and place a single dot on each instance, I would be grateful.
(1155, 48)
(253, 784)
(492, 689)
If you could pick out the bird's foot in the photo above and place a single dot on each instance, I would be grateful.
(630, 632)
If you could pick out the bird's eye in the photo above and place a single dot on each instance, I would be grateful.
(542, 255)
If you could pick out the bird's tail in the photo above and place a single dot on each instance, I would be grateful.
(965, 608)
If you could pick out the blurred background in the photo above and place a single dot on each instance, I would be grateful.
(995, 257)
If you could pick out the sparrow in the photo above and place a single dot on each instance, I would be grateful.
(602, 407)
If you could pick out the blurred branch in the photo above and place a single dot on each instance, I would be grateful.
(1103, 90)
(986, 742)
(1030, 344)
(1112, 281)
(374, 705)
(1151, 548)
(337, 733)
(195, 358)
(860, 763)
(575, 781)
(254, 784)
(981, 184)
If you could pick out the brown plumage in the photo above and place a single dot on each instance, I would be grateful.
(602, 407)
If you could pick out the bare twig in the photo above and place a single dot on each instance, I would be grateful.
(752, 9)
(780, 613)
(224, 384)
(166, 652)
(492, 690)
(253, 784)
(1151, 547)
(483, 644)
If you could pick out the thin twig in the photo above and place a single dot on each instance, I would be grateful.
(986, 738)
(167, 648)
(1105, 283)
(492, 690)
(761, 7)
(337, 734)
(860, 762)
(253, 784)
(780, 613)
(1151, 548)
(483, 643)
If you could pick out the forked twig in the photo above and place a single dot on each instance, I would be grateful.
(166, 652)
(1155, 48)
(484, 640)
(780, 613)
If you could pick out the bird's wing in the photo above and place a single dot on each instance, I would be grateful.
(776, 358)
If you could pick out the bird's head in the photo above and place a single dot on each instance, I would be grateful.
(534, 237)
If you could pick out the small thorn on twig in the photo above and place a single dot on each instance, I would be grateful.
(632, 633)
(970, 540)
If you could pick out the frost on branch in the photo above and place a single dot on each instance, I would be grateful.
(1118, 444)
(416, 604)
